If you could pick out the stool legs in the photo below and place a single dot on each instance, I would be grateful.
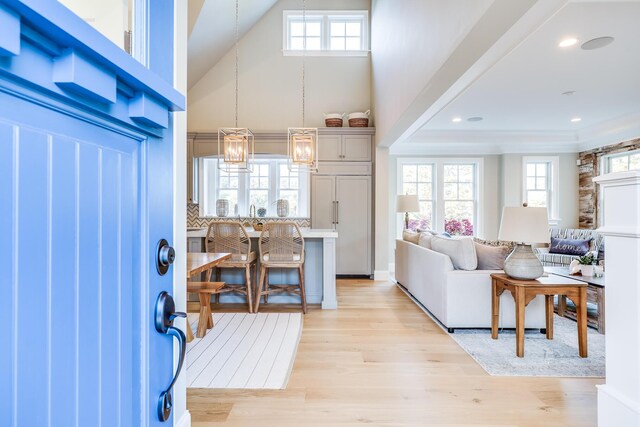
(263, 287)
(247, 274)
(259, 288)
(303, 296)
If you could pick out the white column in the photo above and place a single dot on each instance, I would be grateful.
(329, 300)
(619, 398)
(381, 215)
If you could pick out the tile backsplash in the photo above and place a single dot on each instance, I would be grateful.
(196, 221)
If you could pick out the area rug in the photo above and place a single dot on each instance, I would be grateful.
(244, 351)
(542, 357)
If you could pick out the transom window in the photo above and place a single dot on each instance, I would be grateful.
(270, 180)
(623, 162)
(448, 192)
(338, 32)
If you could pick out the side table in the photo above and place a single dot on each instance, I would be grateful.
(524, 291)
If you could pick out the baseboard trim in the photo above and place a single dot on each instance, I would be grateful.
(615, 409)
(185, 420)
(381, 275)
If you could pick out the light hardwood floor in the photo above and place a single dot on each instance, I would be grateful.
(380, 360)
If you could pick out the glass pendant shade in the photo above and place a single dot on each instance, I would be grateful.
(303, 148)
(236, 149)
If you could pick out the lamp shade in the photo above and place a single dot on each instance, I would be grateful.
(407, 203)
(525, 225)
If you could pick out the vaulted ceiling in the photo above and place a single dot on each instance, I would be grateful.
(212, 30)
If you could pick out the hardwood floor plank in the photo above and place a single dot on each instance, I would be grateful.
(379, 359)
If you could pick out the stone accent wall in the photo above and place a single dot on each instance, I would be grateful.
(195, 221)
(589, 168)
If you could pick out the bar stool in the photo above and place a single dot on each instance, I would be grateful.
(281, 245)
(232, 237)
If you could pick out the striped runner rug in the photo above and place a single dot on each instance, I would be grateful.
(253, 351)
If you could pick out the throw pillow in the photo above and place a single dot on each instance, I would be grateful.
(569, 246)
(506, 243)
(461, 250)
(491, 257)
(420, 230)
(425, 240)
(410, 236)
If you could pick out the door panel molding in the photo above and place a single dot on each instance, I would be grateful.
(60, 32)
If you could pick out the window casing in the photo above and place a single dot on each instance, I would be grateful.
(270, 180)
(540, 184)
(449, 192)
(332, 33)
(620, 162)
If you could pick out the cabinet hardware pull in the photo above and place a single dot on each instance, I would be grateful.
(338, 212)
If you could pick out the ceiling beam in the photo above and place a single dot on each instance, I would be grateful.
(504, 25)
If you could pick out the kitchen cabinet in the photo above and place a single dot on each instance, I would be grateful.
(344, 148)
(195, 244)
(343, 203)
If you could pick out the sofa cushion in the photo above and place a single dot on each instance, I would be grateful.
(491, 257)
(461, 250)
(410, 236)
(425, 240)
(569, 246)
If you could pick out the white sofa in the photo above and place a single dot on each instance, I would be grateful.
(457, 298)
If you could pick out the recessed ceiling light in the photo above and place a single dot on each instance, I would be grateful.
(576, 120)
(569, 41)
(456, 119)
(568, 93)
(597, 43)
(474, 119)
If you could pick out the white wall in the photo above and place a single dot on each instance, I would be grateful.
(404, 57)
(270, 83)
(110, 17)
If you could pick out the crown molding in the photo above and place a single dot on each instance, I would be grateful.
(470, 148)
(620, 129)
(267, 136)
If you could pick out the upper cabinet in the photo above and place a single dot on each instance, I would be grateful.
(345, 145)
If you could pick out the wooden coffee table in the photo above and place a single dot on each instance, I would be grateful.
(595, 295)
(524, 291)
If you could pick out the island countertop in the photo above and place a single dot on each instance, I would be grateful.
(307, 233)
(319, 271)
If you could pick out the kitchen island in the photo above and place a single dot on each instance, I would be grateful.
(319, 268)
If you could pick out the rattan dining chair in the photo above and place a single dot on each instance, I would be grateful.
(231, 237)
(281, 245)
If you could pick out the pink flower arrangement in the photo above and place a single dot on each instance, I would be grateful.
(458, 227)
(421, 223)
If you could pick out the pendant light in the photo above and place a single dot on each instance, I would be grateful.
(236, 147)
(302, 146)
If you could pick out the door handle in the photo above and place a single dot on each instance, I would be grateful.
(338, 212)
(333, 213)
(164, 317)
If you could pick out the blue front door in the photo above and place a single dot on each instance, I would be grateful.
(85, 196)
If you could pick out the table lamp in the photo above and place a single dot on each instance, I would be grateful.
(407, 203)
(524, 226)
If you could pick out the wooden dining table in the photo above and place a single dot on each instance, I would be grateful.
(200, 262)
